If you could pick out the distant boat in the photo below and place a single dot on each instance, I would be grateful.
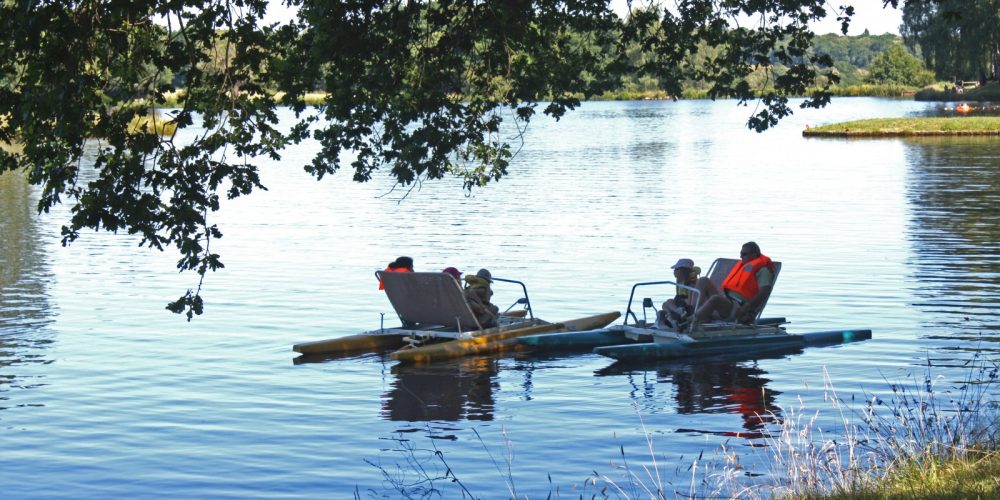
(641, 339)
(963, 108)
(439, 325)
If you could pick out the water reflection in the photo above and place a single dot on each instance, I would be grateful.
(714, 385)
(449, 391)
(954, 192)
(24, 275)
(975, 109)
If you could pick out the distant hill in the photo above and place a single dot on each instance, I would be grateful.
(853, 54)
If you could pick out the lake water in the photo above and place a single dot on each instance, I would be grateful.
(105, 394)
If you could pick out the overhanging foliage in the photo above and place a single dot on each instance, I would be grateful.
(415, 87)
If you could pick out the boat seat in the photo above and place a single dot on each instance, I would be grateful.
(429, 298)
(721, 267)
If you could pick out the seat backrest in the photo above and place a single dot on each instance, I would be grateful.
(774, 281)
(429, 299)
(719, 269)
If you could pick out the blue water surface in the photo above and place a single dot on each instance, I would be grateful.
(105, 394)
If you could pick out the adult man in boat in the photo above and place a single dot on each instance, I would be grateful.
(478, 294)
(743, 291)
(400, 265)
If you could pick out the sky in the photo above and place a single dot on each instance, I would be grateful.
(869, 14)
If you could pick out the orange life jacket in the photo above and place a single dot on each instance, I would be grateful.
(381, 286)
(743, 277)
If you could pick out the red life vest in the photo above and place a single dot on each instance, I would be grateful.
(381, 286)
(743, 277)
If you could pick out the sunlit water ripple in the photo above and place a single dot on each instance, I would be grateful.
(104, 393)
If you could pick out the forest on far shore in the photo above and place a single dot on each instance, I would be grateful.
(866, 64)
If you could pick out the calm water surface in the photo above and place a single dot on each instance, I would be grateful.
(103, 393)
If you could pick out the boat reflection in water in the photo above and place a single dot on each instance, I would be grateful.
(727, 384)
(451, 391)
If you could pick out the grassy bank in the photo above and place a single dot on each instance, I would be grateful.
(906, 127)
(975, 476)
(873, 90)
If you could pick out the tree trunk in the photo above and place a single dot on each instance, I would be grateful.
(995, 58)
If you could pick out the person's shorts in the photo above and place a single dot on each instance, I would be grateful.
(733, 298)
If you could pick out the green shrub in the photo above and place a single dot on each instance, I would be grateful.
(897, 65)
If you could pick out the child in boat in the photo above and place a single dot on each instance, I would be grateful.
(478, 294)
(676, 311)
(455, 273)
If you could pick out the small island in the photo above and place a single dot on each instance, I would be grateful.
(910, 127)
(975, 99)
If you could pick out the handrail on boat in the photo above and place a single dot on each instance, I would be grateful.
(523, 300)
(631, 297)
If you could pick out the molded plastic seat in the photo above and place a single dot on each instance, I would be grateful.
(429, 299)
(721, 267)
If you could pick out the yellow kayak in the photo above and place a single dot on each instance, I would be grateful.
(387, 339)
(374, 341)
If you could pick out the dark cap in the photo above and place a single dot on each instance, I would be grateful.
(485, 274)
(683, 263)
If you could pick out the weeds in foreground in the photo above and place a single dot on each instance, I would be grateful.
(419, 474)
(921, 436)
(887, 446)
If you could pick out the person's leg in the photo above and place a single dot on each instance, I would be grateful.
(717, 306)
(668, 305)
(707, 290)
(663, 315)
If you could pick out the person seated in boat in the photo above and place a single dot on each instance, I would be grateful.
(455, 273)
(400, 265)
(743, 291)
(677, 310)
(478, 294)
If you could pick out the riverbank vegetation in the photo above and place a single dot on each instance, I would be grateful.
(959, 40)
(947, 92)
(976, 475)
(917, 438)
(902, 127)
(862, 65)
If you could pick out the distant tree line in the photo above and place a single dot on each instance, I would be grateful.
(957, 39)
